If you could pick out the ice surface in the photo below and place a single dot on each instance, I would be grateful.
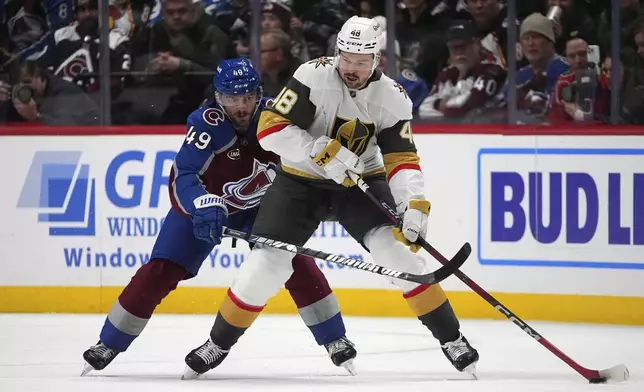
(43, 353)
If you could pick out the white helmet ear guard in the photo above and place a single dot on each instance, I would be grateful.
(360, 35)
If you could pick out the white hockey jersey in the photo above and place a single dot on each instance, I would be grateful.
(373, 122)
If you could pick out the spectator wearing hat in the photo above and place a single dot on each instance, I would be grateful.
(470, 84)
(536, 81)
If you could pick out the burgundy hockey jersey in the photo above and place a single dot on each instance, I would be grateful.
(215, 159)
(455, 96)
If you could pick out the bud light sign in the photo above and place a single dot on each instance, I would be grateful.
(561, 207)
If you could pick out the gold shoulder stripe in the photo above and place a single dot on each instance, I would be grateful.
(269, 121)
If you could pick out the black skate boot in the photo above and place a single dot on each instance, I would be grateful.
(463, 356)
(203, 358)
(342, 353)
(98, 357)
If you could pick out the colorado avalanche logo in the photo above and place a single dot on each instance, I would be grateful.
(246, 193)
(213, 116)
(75, 65)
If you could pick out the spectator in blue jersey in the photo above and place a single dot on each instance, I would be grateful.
(224, 13)
(536, 81)
(32, 28)
(414, 85)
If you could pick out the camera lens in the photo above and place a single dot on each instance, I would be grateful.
(22, 92)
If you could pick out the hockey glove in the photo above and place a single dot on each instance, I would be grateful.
(336, 160)
(414, 223)
(209, 218)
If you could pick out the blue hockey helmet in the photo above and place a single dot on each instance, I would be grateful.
(237, 89)
(236, 77)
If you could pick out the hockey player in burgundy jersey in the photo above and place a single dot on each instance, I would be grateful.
(218, 178)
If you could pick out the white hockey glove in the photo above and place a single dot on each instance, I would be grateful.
(336, 160)
(414, 223)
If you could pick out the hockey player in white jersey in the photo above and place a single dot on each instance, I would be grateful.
(339, 115)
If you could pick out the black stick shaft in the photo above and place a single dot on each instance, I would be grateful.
(395, 218)
(349, 262)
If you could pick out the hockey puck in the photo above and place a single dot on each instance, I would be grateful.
(600, 380)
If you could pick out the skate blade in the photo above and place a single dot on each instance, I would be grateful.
(471, 370)
(86, 369)
(350, 367)
(189, 374)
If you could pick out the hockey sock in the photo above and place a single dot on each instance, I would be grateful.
(316, 303)
(431, 306)
(134, 307)
(233, 319)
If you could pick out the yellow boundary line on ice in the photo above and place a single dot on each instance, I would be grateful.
(354, 302)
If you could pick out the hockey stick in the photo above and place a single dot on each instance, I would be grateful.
(615, 373)
(456, 261)
(431, 278)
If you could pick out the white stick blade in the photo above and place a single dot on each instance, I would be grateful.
(617, 373)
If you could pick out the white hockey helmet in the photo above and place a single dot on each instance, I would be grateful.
(360, 35)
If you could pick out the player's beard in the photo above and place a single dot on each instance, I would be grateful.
(241, 120)
(352, 80)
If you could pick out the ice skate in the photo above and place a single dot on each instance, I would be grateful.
(203, 358)
(342, 353)
(463, 356)
(97, 357)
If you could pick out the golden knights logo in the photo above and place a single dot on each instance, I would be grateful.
(401, 89)
(353, 134)
(322, 61)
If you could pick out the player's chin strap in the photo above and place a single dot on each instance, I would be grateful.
(616, 373)
(428, 279)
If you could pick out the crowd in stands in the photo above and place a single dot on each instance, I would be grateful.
(451, 56)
